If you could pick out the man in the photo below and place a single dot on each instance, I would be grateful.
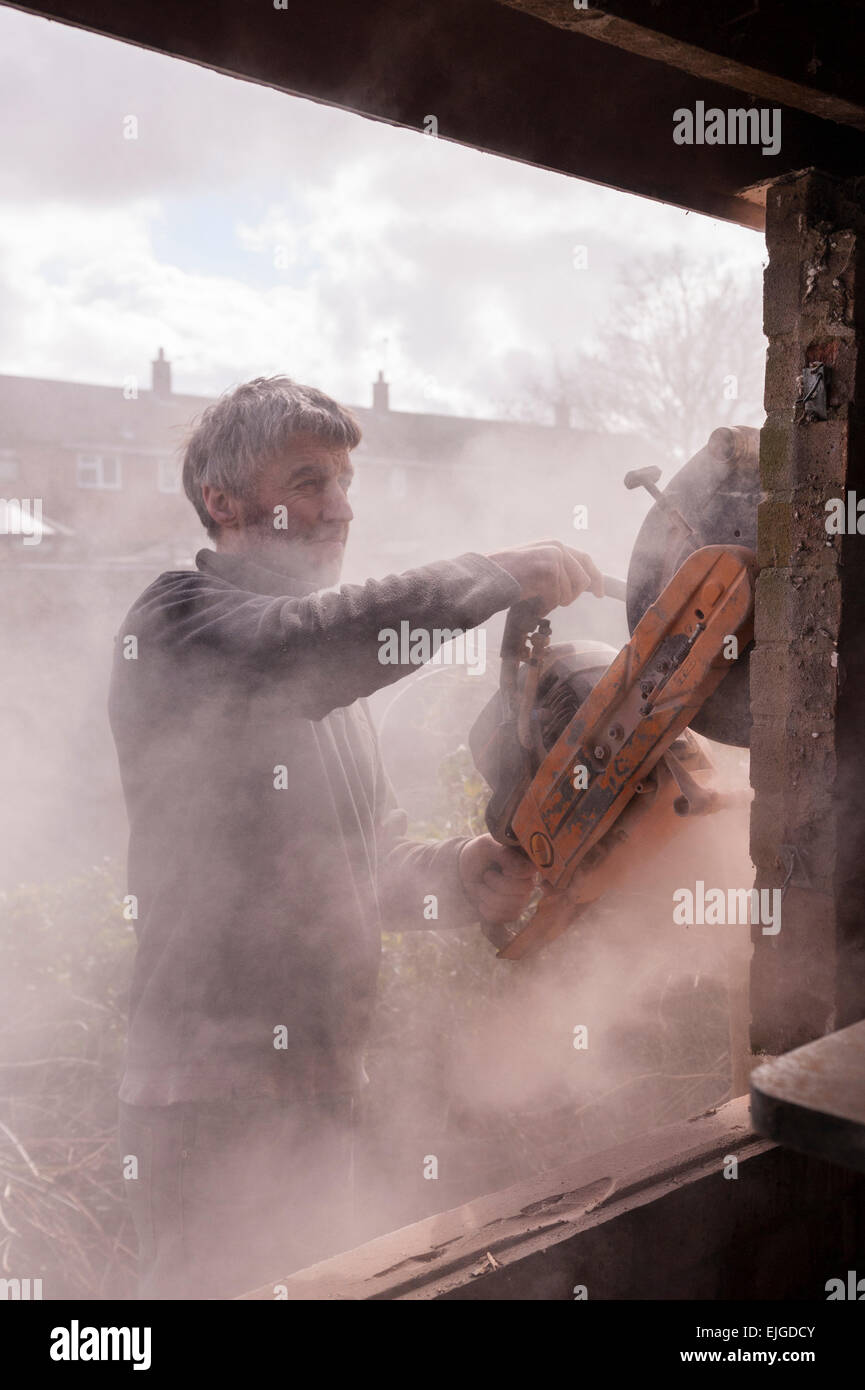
(266, 846)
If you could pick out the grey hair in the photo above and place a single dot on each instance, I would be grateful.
(251, 424)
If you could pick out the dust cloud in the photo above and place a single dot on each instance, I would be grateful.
(481, 1071)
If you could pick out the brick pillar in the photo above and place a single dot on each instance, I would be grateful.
(808, 667)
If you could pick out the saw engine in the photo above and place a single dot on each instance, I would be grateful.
(588, 752)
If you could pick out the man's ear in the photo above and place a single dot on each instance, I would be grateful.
(222, 507)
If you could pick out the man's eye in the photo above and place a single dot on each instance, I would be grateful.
(346, 481)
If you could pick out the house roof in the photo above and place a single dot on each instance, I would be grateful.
(80, 415)
(37, 410)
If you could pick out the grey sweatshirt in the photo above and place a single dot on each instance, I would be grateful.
(266, 846)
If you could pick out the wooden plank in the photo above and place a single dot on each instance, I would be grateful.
(813, 1098)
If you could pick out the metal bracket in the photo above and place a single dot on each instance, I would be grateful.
(814, 394)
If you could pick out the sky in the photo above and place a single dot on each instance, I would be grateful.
(250, 232)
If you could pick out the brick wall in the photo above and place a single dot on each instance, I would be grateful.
(808, 671)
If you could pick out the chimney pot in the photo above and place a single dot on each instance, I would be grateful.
(161, 375)
(380, 393)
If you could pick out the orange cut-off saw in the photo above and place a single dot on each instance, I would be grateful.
(588, 754)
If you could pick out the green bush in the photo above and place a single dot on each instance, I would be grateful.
(65, 960)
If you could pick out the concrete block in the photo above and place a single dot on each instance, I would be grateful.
(820, 456)
(797, 202)
(780, 384)
(774, 595)
(769, 758)
(769, 667)
(776, 443)
(774, 534)
(782, 294)
(767, 827)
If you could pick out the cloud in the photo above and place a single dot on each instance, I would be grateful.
(250, 231)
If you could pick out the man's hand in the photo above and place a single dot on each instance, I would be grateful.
(497, 880)
(551, 572)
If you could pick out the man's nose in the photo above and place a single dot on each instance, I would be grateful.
(336, 505)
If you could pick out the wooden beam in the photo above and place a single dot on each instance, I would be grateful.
(771, 52)
(494, 78)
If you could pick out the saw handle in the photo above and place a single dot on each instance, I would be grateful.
(521, 620)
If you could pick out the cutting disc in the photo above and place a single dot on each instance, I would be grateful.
(716, 492)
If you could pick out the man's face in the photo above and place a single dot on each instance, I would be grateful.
(298, 516)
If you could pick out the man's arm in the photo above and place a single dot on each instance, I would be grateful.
(327, 644)
(455, 882)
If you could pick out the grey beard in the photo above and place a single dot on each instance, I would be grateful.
(283, 549)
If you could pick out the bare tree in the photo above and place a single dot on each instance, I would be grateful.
(682, 353)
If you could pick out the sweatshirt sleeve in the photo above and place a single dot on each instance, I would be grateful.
(328, 644)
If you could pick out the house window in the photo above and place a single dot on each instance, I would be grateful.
(9, 465)
(98, 470)
(168, 474)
